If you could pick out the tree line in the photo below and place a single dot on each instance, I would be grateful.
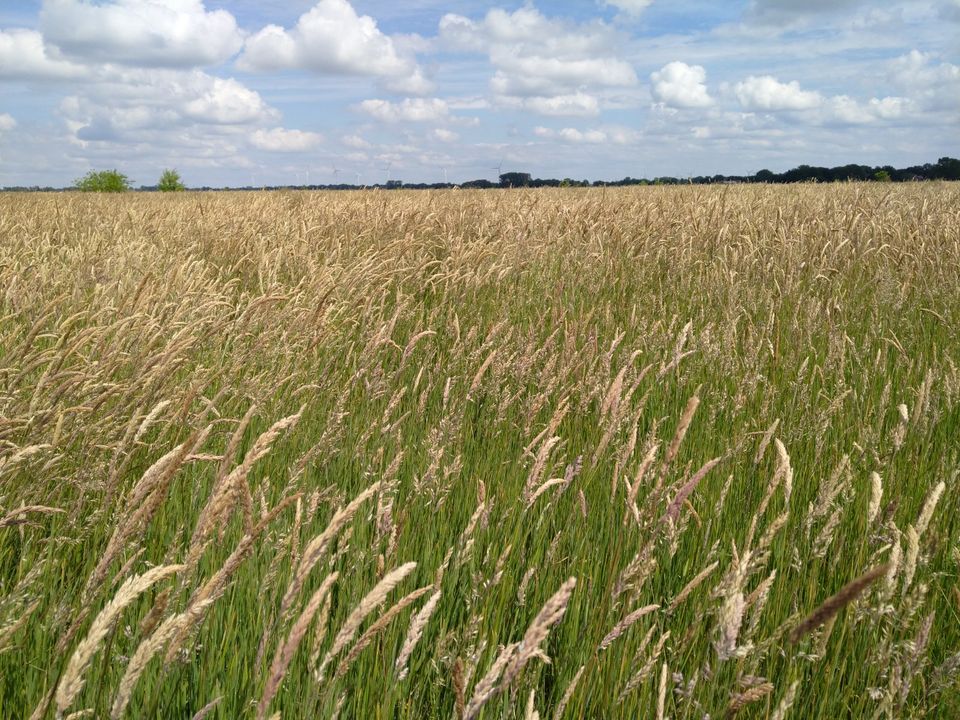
(946, 168)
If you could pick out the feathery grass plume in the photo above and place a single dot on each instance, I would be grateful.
(142, 502)
(783, 707)
(489, 685)
(375, 629)
(217, 585)
(893, 564)
(765, 441)
(459, 686)
(208, 708)
(929, 505)
(531, 711)
(478, 378)
(876, 495)
(734, 604)
(370, 602)
(147, 649)
(539, 466)
(621, 627)
(835, 603)
(72, 681)
(567, 694)
(317, 548)
(18, 515)
(673, 509)
(900, 431)
(681, 432)
(285, 652)
(417, 625)
(786, 469)
(662, 691)
(10, 629)
(913, 554)
(647, 668)
(634, 489)
(691, 586)
(740, 701)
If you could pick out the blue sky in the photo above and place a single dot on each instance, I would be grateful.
(233, 92)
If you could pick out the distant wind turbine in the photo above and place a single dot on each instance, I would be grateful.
(336, 172)
(387, 170)
(358, 177)
(499, 169)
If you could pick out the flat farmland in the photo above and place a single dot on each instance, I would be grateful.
(672, 452)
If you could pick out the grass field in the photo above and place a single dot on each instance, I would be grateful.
(659, 452)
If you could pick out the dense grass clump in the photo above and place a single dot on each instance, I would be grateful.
(657, 452)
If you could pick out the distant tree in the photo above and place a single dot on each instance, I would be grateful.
(948, 168)
(882, 176)
(515, 179)
(170, 182)
(111, 181)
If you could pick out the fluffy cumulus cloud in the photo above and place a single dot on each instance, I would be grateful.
(595, 136)
(332, 38)
(630, 7)
(7, 122)
(162, 104)
(409, 110)
(148, 33)
(283, 140)
(679, 85)
(23, 56)
(933, 84)
(542, 64)
(767, 93)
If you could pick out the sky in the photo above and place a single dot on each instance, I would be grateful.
(271, 92)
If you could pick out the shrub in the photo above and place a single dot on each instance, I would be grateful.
(170, 182)
(103, 181)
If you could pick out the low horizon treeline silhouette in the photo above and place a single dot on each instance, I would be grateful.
(946, 168)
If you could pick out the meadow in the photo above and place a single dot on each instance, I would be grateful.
(663, 452)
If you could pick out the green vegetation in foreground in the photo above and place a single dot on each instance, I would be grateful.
(531, 383)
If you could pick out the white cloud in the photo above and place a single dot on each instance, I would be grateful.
(225, 102)
(356, 142)
(935, 85)
(409, 110)
(151, 33)
(597, 136)
(283, 140)
(844, 110)
(630, 7)
(767, 93)
(578, 104)
(24, 56)
(681, 86)
(7, 122)
(332, 38)
(542, 64)
(136, 106)
(444, 135)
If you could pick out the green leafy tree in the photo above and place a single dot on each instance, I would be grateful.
(882, 176)
(103, 181)
(170, 182)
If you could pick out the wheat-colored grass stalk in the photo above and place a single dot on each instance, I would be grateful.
(285, 652)
(72, 680)
(835, 603)
(417, 625)
(621, 627)
(370, 602)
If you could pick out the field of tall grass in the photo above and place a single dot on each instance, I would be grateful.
(654, 452)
